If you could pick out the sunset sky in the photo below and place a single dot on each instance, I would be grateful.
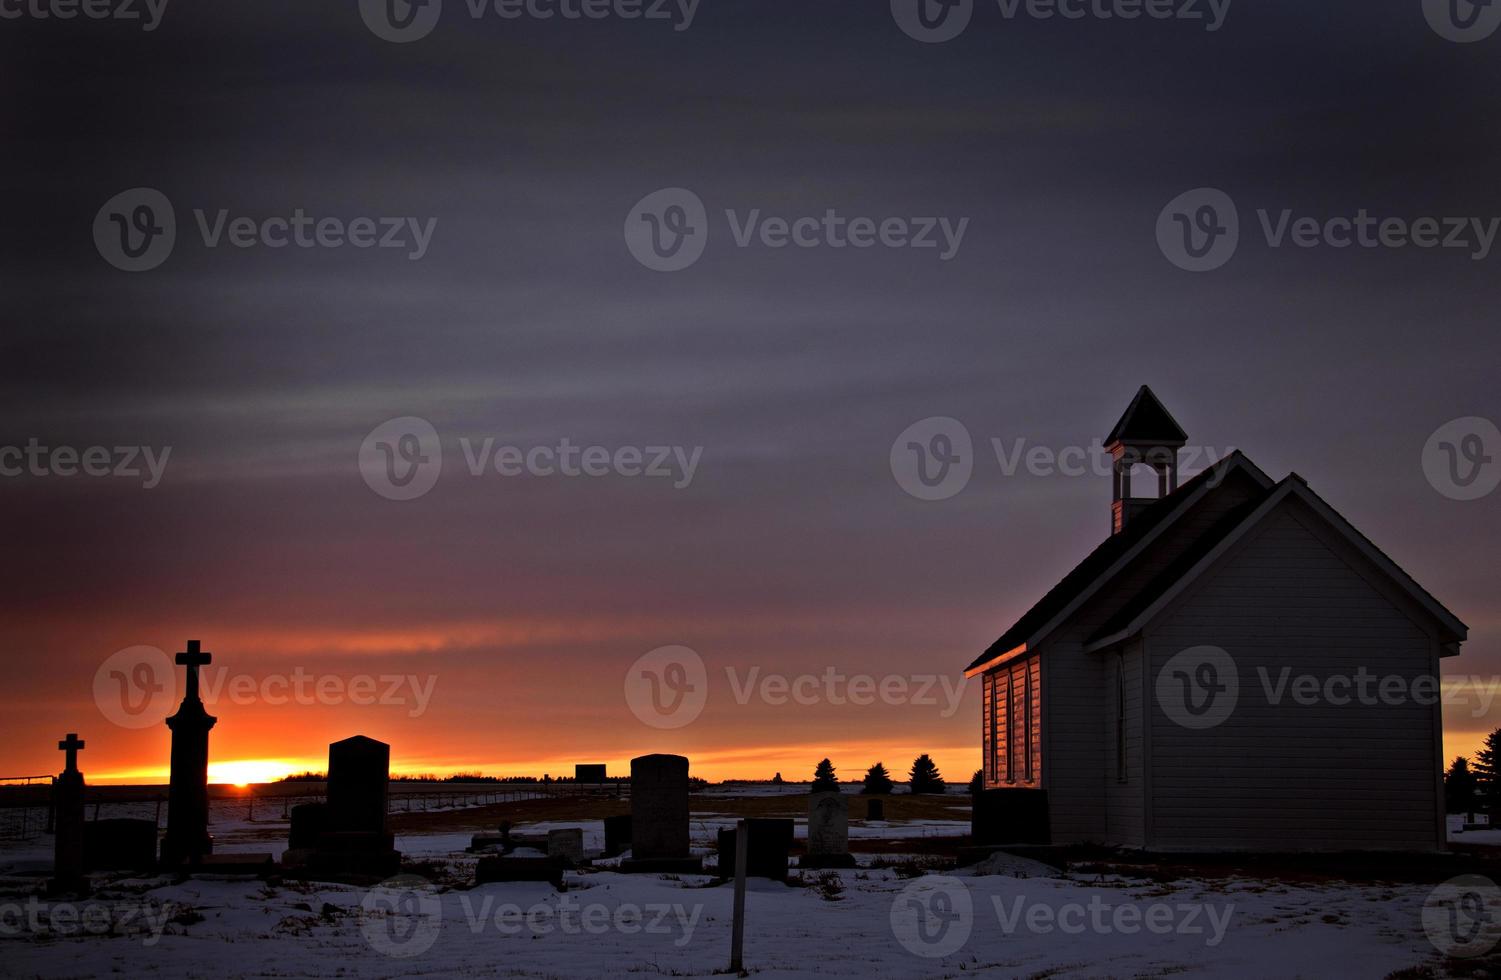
(793, 550)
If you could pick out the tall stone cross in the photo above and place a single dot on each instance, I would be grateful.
(193, 658)
(71, 745)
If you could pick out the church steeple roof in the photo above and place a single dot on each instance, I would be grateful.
(1147, 421)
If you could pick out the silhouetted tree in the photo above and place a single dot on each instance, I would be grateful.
(1459, 787)
(776, 780)
(1487, 769)
(925, 777)
(977, 782)
(877, 780)
(823, 777)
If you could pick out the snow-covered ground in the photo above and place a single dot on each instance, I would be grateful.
(866, 922)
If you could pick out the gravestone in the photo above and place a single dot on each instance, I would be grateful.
(119, 845)
(567, 845)
(67, 844)
(875, 809)
(359, 776)
(187, 839)
(766, 849)
(617, 835)
(828, 832)
(659, 816)
(353, 839)
(309, 821)
(583, 773)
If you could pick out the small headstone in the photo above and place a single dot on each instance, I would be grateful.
(659, 816)
(766, 849)
(828, 832)
(68, 847)
(875, 809)
(589, 773)
(119, 845)
(309, 822)
(617, 835)
(567, 845)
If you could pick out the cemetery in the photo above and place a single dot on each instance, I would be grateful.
(749, 874)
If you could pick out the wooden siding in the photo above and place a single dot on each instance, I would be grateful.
(1285, 776)
(1012, 719)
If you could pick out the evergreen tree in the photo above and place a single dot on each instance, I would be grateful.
(925, 777)
(877, 781)
(776, 780)
(1487, 769)
(823, 777)
(1459, 787)
(977, 782)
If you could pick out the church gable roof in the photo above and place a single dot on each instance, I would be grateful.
(1155, 597)
(1113, 554)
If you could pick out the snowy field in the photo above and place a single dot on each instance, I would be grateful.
(888, 918)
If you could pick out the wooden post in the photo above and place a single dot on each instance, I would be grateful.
(737, 928)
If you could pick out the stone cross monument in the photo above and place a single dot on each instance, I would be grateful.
(187, 839)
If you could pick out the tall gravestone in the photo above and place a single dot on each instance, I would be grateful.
(187, 839)
(659, 816)
(67, 853)
(828, 832)
(354, 838)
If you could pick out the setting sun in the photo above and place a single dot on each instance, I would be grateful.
(247, 771)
